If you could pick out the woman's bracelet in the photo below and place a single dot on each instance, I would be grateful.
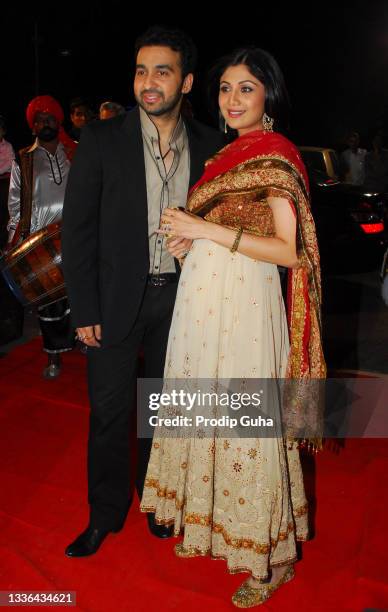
(236, 240)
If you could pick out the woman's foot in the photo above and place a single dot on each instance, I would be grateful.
(274, 576)
(254, 592)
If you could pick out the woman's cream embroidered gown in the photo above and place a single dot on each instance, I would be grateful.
(239, 499)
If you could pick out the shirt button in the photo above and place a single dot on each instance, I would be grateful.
(156, 267)
(159, 242)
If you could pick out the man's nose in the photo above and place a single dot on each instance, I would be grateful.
(149, 81)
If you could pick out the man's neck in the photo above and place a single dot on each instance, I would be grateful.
(51, 146)
(166, 124)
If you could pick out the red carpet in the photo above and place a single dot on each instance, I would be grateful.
(43, 430)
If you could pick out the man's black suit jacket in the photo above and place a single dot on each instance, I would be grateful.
(105, 221)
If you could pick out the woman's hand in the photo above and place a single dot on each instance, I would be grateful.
(176, 223)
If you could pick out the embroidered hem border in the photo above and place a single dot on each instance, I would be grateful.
(206, 521)
(197, 552)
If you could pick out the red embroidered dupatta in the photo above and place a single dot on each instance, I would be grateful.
(268, 164)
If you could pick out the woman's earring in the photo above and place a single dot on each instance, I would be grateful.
(267, 123)
(226, 127)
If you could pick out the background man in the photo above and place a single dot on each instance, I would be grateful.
(80, 115)
(36, 194)
(110, 109)
(353, 161)
(7, 156)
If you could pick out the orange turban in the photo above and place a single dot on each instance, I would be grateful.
(44, 104)
(48, 104)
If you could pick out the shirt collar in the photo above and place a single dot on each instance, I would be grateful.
(151, 131)
(36, 145)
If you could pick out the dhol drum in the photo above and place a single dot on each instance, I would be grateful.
(33, 270)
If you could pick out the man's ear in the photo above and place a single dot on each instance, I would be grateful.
(187, 83)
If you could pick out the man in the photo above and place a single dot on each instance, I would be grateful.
(80, 115)
(35, 199)
(121, 278)
(7, 156)
(110, 109)
(353, 161)
(376, 165)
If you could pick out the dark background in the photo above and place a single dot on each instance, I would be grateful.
(334, 56)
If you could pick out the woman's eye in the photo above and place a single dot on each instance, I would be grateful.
(224, 88)
(246, 89)
(162, 73)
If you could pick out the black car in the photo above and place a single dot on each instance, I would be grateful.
(350, 223)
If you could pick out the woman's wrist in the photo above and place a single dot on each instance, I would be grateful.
(219, 233)
(208, 230)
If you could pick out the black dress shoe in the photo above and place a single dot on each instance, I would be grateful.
(51, 371)
(53, 368)
(160, 531)
(88, 542)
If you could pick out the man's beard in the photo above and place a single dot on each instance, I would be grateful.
(164, 108)
(47, 134)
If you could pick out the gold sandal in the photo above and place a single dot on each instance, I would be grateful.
(247, 596)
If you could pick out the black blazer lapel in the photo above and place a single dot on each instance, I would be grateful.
(196, 153)
(134, 170)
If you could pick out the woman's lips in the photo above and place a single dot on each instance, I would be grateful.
(235, 114)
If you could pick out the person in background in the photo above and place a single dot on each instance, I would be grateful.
(376, 165)
(80, 115)
(384, 278)
(352, 161)
(7, 155)
(111, 109)
(36, 194)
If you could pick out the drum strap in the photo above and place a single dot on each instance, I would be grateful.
(26, 170)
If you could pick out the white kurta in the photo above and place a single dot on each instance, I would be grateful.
(50, 174)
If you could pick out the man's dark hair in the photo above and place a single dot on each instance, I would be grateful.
(177, 40)
(3, 124)
(265, 68)
(76, 103)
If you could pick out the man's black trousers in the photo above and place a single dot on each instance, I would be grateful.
(112, 373)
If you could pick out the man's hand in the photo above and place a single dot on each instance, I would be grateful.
(179, 247)
(90, 335)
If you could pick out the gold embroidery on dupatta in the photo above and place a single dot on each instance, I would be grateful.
(238, 198)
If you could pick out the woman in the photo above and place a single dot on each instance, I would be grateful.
(242, 500)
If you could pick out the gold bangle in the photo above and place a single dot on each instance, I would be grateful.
(237, 240)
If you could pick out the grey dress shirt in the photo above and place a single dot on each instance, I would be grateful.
(164, 189)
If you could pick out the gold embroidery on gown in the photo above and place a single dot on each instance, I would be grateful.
(237, 499)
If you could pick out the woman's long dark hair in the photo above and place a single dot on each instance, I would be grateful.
(265, 68)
